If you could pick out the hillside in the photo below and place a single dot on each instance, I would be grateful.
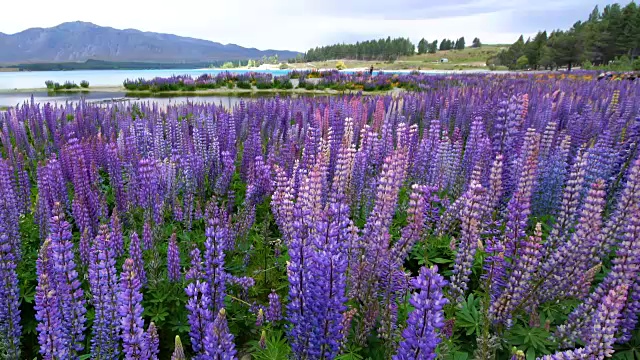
(81, 41)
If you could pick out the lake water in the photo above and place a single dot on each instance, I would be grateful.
(36, 79)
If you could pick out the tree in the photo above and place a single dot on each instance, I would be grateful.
(460, 44)
(476, 43)
(522, 62)
(422, 46)
(433, 48)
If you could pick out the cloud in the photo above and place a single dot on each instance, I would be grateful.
(302, 24)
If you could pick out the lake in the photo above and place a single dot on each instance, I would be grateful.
(36, 79)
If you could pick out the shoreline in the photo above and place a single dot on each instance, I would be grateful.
(204, 92)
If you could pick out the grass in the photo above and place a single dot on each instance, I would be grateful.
(469, 58)
(2, 108)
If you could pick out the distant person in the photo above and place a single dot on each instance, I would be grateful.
(371, 70)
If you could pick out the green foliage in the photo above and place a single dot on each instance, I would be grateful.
(468, 317)
(534, 341)
(340, 65)
(84, 84)
(522, 62)
(381, 49)
(283, 66)
(228, 65)
(603, 40)
(277, 348)
(476, 43)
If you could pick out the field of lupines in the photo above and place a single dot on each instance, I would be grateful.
(490, 218)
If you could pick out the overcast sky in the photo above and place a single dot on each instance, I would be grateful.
(301, 24)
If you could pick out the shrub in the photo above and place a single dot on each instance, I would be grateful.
(636, 65)
(50, 84)
(309, 86)
(284, 66)
(522, 62)
(243, 85)
(341, 65)
(84, 84)
(228, 65)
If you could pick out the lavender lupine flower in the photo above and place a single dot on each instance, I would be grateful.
(420, 337)
(263, 339)
(569, 207)
(519, 207)
(274, 311)
(625, 271)
(602, 328)
(519, 283)
(218, 342)
(130, 311)
(153, 341)
(576, 256)
(50, 334)
(416, 222)
(178, 352)
(200, 317)
(103, 285)
(173, 259)
(135, 253)
(70, 293)
(469, 236)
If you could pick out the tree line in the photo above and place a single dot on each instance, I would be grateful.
(383, 49)
(608, 37)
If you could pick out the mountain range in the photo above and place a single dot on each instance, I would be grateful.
(81, 41)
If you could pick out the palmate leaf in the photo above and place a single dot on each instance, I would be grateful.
(629, 350)
(469, 317)
(276, 348)
(533, 341)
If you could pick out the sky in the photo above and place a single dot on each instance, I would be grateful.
(302, 24)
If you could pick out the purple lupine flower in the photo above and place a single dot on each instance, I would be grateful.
(260, 317)
(117, 239)
(195, 271)
(217, 233)
(130, 310)
(420, 337)
(84, 247)
(178, 352)
(274, 311)
(153, 341)
(69, 291)
(173, 259)
(10, 328)
(200, 317)
(135, 253)
(50, 334)
(218, 341)
(469, 236)
(147, 236)
(519, 283)
(103, 285)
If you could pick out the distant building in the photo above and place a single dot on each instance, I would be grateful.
(444, 60)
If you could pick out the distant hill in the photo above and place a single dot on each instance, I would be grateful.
(81, 41)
